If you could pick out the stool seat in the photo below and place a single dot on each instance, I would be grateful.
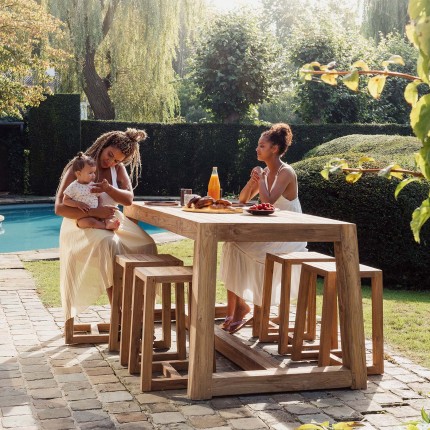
(145, 281)
(277, 329)
(329, 334)
(122, 299)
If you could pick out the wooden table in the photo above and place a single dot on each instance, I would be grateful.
(207, 230)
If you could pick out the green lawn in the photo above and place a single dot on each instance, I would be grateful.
(406, 313)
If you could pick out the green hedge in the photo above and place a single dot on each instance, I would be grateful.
(182, 155)
(54, 138)
(384, 235)
(13, 158)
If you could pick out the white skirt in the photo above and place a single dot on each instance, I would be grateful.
(87, 258)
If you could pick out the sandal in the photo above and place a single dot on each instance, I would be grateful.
(234, 327)
(226, 323)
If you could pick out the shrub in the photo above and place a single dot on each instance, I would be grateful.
(385, 239)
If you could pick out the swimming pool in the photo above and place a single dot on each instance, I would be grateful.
(35, 226)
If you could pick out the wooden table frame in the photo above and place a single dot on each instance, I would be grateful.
(207, 230)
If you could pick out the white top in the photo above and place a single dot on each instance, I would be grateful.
(105, 198)
(82, 193)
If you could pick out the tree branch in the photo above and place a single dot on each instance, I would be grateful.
(107, 22)
(406, 172)
(363, 72)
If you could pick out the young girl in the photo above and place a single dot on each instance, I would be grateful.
(242, 264)
(79, 194)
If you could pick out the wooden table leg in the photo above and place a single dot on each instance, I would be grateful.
(202, 314)
(350, 306)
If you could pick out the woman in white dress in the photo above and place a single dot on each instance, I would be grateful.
(242, 264)
(87, 255)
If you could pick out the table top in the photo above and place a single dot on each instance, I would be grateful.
(278, 227)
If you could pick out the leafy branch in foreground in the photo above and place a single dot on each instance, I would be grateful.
(418, 32)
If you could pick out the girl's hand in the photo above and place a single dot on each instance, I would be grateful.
(101, 187)
(83, 207)
(104, 212)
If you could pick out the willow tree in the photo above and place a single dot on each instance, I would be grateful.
(384, 17)
(123, 54)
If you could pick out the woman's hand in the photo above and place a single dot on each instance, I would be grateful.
(104, 212)
(83, 206)
(257, 174)
(101, 187)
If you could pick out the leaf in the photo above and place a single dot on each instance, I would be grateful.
(422, 29)
(420, 118)
(315, 64)
(353, 177)
(411, 92)
(309, 427)
(351, 80)
(325, 173)
(420, 161)
(419, 217)
(329, 78)
(376, 85)
(361, 64)
(423, 63)
(305, 73)
(425, 416)
(347, 425)
(387, 173)
(411, 34)
(365, 159)
(403, 184)
(394, 59)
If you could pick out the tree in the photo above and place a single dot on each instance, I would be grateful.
(123, 54)
(382, 17)
(236, 66)
(24, 54)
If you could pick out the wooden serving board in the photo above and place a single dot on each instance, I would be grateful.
(214, 211)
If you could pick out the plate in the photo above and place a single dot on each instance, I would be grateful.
(260, 211)
(213, 211)
(162, 203)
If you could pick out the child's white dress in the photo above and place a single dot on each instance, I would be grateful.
(82, 193)
(87, 257)
(242, 263)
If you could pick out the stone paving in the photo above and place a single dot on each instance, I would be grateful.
(45, 384)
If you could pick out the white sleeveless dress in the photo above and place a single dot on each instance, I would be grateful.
(242, 263)
(87, 257)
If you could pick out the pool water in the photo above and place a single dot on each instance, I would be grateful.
(35, 226)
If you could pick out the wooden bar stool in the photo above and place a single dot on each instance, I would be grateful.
(119, 336)
(329, 334)
(142, 328)
(277, 329)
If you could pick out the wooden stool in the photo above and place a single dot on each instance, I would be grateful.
(122, 298)
(85, 333)
(142, 327)
(329, 334)
(276, 329)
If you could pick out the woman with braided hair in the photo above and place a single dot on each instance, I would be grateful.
(87, 255)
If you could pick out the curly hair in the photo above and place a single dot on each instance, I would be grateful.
(81, 160)
(279, 134)
(127, 142)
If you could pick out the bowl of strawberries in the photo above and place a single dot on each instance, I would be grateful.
(261, 209)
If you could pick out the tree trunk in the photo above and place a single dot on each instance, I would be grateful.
(96, 90)
(232, 118)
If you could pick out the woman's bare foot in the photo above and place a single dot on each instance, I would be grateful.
(239, 320)
(225, 325)
(112, 224)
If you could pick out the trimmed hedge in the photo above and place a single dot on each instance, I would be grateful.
(383, 223)
(54, 138)
(182, 155)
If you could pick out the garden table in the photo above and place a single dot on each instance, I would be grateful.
(261, 374)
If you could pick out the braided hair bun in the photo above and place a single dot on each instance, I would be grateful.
(136, 135)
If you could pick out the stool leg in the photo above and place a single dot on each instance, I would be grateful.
(266, 299)
(311, 318)
(181, 341)
(284, 309)
(127, 298)
(136, 325)
(147, 335)
(299, 326)
(327, 319)
(377, 325)
(116, 305)
(69, 330)
(257, 321)
(166, 323)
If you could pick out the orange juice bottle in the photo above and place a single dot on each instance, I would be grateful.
(214, 187)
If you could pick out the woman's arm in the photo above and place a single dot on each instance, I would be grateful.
(74, 213)
(251, 188)
(124, 194)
